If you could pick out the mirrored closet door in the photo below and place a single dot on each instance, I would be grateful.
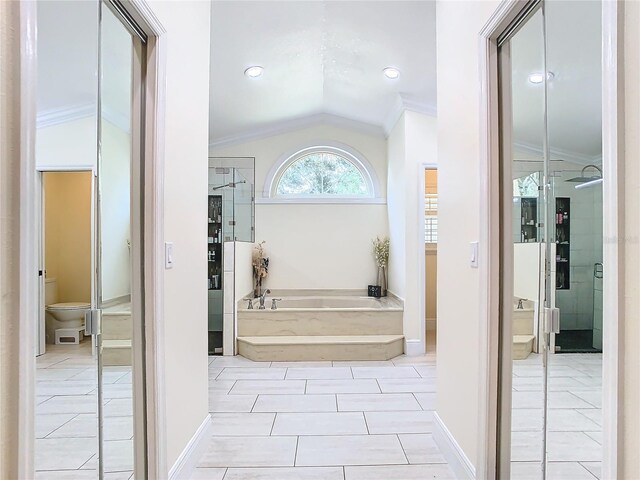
(551, 312)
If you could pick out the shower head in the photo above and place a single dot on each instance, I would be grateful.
(583, 178)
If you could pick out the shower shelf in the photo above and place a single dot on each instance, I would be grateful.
(563, 243)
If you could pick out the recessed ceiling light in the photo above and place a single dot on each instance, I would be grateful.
(391, 72)
(537, 77)
(254, 71)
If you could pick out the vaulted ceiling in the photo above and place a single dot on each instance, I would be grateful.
(322, 59)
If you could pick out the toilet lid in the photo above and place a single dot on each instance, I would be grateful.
(69, 306)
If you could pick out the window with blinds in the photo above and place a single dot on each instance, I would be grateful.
(430, 218)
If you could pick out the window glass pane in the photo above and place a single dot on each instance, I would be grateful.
(322, 174)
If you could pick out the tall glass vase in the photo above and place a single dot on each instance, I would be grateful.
(257, 289)
(382, 280)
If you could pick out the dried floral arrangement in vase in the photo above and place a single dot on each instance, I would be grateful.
(260, 268)
(381, 254)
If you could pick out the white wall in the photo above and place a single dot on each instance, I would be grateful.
(320, 245)
(412, 142)
(185, 197)
(115, 180)
(526, 271)
(397, 202)
(67, 145)
(457, 27)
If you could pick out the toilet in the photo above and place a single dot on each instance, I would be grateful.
(64, 322)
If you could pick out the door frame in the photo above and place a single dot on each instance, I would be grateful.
(490, 255)
(422, 255)
(152, 224)
(41, 225)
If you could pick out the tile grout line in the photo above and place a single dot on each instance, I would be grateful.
(254, 404)
(295, 457)
(590, 472)
(404, 452)
(58, 428)
(273, 424)
(366, 424)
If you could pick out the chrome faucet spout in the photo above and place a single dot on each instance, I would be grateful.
(262, 298)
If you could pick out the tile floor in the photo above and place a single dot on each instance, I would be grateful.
(322, 420)
(574, 442)
(316, 420)
(66, 416)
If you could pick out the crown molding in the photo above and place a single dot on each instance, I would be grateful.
(287, 126)
(559, 154)
(404, 103)
(58, 116)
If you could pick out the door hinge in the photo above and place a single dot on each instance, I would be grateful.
(92, 319)
(551, 320)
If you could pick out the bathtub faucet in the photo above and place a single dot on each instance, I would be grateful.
(262, 297)
(520, 307)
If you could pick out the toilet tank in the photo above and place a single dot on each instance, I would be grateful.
(50, 291)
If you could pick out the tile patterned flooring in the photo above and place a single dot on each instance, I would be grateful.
(66, 416)
(316, 420)
(574, 447)
(322, 420)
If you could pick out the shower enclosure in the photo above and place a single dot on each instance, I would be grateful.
(230, 218)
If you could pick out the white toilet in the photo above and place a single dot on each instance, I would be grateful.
(64, 322)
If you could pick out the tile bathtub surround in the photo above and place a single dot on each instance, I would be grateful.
(322, 420)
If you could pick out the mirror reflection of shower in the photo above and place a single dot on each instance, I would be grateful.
(583, 181)
(229, 185)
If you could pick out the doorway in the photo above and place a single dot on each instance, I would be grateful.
(551, 252)
(431, 257)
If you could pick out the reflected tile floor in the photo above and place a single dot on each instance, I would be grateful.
(574, 441)
(66, 416)
(322, 420)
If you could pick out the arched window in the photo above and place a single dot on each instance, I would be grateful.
(323, 173)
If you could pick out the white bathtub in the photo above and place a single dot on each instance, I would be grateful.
(322, 315)
(326, 302)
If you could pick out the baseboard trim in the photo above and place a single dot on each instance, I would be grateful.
(453, 453)
(413, 348)
(186, 462)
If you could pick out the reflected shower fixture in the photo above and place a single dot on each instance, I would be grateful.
(230, 185)
(583, 181)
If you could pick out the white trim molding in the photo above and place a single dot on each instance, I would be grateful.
(489, 251)
(291, 125)
(414, 347)
(452, 451)
(186, 463)
(349, 153)
(613, 204)
(403, 103)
